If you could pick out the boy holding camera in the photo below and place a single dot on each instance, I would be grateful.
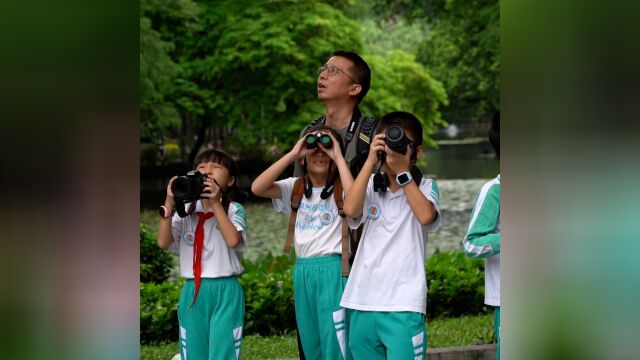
(208, 238)
(318, 230)
(386, 291)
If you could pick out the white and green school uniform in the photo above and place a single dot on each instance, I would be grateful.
(387, 287)
(317, 276)
(212, 327)
(483, 241)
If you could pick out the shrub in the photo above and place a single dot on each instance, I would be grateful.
(171, 152)
(155, 263)
(159, 312)
(268, 291)
(455, 285)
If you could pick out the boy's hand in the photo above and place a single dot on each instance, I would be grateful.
(377, 144)
(334, 153)
(399, 162)
(169, 201)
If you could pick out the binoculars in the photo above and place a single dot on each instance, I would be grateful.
(312, 141)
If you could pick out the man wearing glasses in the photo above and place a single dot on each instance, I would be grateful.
(343, 81)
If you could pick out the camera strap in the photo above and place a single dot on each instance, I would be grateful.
(180, 208)
(351, 130)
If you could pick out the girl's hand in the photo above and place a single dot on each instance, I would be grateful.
(334, 152)
(211, 192)
(299, 150)
(169, 200)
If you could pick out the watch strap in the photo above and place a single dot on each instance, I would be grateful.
(165, 212)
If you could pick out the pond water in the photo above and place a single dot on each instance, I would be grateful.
(268, 229)
(460, 168)
(461, 159)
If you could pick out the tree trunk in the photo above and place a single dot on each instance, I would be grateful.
(182, 141)
(206, 121)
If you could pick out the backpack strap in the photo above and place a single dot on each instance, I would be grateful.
(296, 198)
(367, 131)
(337, 194)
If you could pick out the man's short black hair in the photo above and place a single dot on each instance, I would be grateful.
(407, 121)
(361, 71)
(494, 133)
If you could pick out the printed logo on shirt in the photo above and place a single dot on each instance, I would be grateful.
(188, 238)
(373, 211)
(327, 217)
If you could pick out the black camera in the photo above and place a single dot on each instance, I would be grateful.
(396, 139)
(312, 141)
(188, 188)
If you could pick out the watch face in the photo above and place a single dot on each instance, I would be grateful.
(403, 179)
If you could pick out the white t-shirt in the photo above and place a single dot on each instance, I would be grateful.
(218, 259)
(318, 229)
(388, 272)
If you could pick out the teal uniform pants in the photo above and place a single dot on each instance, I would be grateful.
(375, 335)
(212, 328)
(322, 324)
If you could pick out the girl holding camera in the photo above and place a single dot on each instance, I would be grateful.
(208, 240)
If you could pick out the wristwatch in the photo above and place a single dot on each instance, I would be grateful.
(404, 178)
(165, 213)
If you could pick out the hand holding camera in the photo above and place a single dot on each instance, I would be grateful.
(398, 149)
(376, 148)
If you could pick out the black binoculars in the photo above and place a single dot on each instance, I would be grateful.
(312, 141)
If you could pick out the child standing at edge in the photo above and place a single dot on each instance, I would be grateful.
(317, 279)
(483, 236)
(387, 289)
(211, 305)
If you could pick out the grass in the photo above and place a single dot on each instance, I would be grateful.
(466, 330)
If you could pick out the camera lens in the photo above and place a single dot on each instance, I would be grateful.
(394, 133)
(181, 187)
(396, 139)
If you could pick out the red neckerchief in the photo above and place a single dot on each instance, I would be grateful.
(198, 246)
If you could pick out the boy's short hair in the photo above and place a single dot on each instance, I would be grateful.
(494, 133)
(407, 121)
(217, 156)
(323, 127)
(360, 69)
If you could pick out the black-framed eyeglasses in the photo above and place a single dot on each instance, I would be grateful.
(332, 71)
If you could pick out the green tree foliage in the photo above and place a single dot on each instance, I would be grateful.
(401, 83)
(248, 69)
(462, 49)
(260, 58)
(157, 72)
